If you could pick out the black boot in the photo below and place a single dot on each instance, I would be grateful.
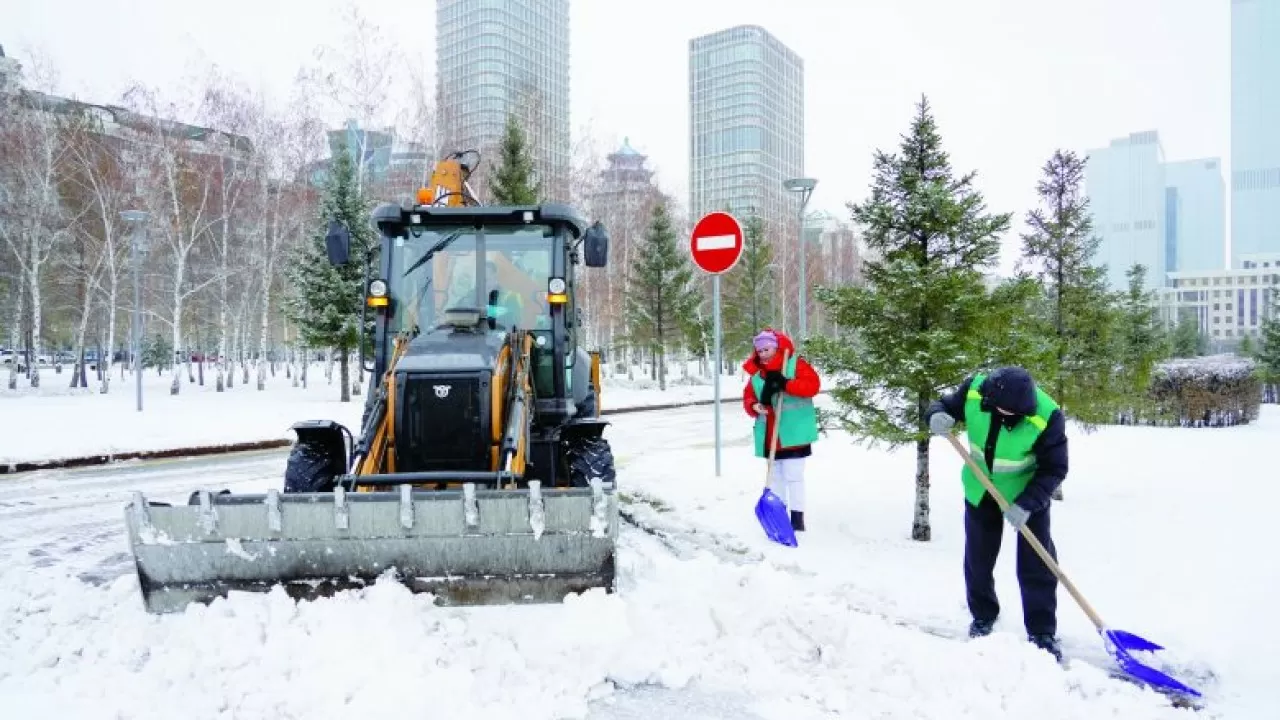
(1048, 643)
(981, 628)
(797, 521)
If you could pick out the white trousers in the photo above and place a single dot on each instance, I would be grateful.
(787, 482)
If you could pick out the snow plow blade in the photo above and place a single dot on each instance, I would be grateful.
(467, 547)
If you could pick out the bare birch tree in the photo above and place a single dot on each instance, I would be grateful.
(32, 218)
(181, 193)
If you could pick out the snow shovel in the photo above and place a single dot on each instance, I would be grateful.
(770, 510)
(1119, 643)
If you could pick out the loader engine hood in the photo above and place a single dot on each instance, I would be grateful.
(450, 349)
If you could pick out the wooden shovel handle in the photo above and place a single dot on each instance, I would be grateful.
(1028, 535)
(777, 423)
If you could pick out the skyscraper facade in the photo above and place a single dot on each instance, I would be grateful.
(746, 124)
(1127, 193)
(500, 57)
(1255, 117)
(1195, 216)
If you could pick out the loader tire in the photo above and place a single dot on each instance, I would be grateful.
(589, 457)
(310, 469)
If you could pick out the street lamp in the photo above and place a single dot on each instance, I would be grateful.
(804, 186)
(136, 219)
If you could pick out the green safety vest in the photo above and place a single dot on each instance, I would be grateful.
(1015, 463)
(799, 416)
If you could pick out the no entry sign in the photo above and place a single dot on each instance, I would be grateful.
(716, 242)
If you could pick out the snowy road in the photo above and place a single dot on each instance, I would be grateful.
(75, 518)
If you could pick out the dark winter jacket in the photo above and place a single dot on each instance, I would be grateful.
(1013, 389)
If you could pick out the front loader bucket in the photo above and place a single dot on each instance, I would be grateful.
(468, 547)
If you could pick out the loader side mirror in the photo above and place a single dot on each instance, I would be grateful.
(337, 243)
(595, 246)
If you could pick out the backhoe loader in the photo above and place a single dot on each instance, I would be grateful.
(480, 472)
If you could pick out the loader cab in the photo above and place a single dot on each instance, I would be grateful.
(470, 275)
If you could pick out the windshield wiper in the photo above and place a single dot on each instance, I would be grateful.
(444, 242)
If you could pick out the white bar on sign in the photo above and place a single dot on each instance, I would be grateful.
(716, 242)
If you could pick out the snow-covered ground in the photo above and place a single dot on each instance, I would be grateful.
(1166, 532)
(1162, 530)
(54, 421)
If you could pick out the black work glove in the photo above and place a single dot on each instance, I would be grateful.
(774, 383)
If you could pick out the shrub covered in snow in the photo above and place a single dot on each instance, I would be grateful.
(1214, 391)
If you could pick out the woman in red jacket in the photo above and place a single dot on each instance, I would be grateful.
(780, 378)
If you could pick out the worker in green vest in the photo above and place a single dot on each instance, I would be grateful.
(776, 372)
(1017, 435)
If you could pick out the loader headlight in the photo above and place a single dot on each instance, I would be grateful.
(378, 288)
(556, 291)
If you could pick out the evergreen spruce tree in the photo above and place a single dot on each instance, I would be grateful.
(663, 294)
(745, 291)
(325, 300)
(1015, 327)
(1188, 342)
(1143, 343)
(513, 181)
(1268, 354)
(920, 317)
(1059, 250)
(158, 353)
(1248, 348)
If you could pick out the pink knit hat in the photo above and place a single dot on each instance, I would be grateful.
(765, 339)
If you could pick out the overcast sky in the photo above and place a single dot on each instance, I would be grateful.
(1009, 80)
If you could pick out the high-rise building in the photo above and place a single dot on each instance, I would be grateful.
(1126, 186)
(1255, 115)
(746, 124)
(500, 57)
(1195, 215)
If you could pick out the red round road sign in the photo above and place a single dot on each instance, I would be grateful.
(716, 242)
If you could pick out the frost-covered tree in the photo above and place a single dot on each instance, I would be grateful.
(917, 327)
(1014, 325)
(513, 182)
(662, 292)
(1143, 340)
(325, 302)
(1059, 250)
(1188, 341)
(1268, 353)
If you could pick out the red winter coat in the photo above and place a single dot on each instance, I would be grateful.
(804, 384)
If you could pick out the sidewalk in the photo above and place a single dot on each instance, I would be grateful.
(12, 466)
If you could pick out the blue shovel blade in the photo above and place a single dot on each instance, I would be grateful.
(1121, 643)
(775, 518)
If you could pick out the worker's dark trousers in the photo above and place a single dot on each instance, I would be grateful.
(983, 528)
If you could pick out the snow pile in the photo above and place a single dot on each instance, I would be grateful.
(754, 630)
(1138, 532)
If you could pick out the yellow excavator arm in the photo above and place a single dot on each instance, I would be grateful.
(448, 185)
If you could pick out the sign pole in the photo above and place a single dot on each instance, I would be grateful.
(715, 245)
(719, 362)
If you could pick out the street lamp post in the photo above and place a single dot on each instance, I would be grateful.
(137, 246)
(804, 186)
